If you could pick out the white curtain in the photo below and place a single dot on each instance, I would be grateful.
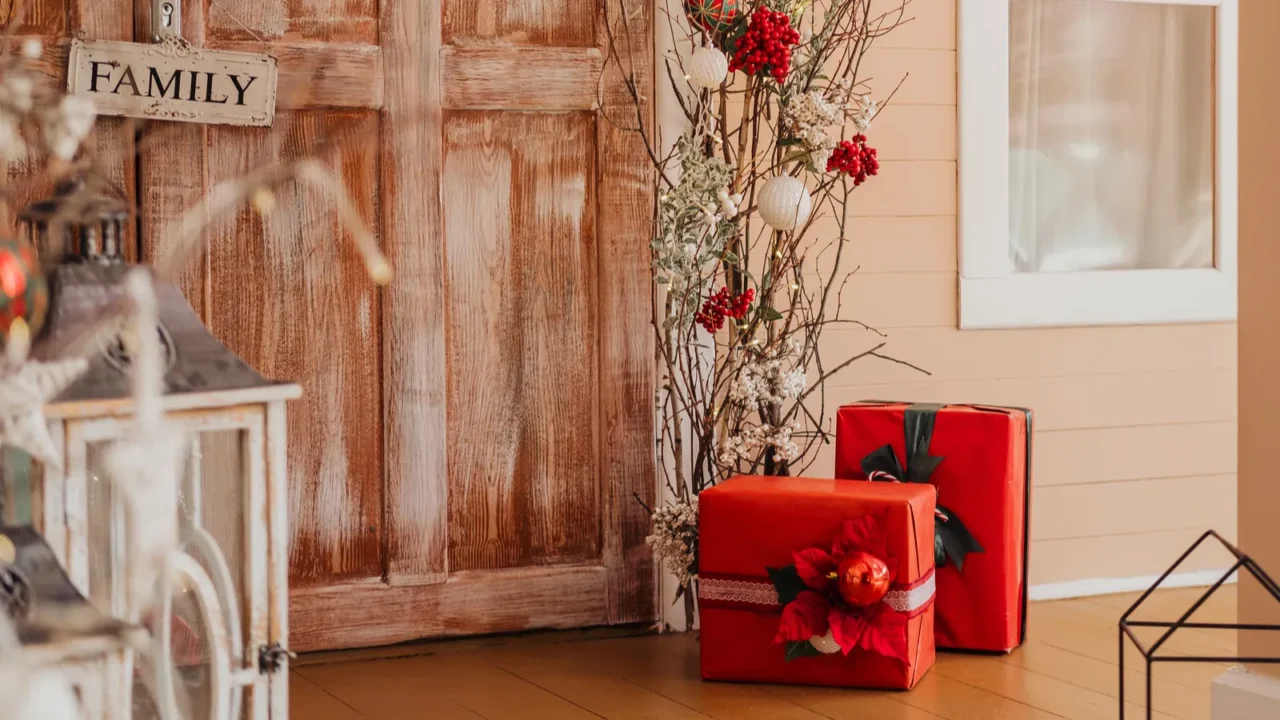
(1111, 131)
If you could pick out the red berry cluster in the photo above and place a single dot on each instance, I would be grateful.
(766, 46)
(724, 305)
(855, 159)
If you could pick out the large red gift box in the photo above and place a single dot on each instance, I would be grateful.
(979, 458)
(753, 531)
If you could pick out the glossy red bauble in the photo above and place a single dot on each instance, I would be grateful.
(862, 579)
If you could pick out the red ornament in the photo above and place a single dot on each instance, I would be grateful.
(714, 16)
(24, 294)
(845, 594)
(766, 46)
(724, 305)
(862, 579)
(855, 159)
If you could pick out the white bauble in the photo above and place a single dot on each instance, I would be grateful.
(784, 203)
(825, 644)
(707, 68)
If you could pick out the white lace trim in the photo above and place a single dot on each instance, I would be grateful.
(739, 591)
(905, 601)
(762, 592)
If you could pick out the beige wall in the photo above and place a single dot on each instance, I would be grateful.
(1135, 443)
(1259, 312)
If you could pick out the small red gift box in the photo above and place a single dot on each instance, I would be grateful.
(979, 458)
(816, 582)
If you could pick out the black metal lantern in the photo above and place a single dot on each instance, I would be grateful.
(80, 223)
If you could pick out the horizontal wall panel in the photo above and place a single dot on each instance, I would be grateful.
(908, 187)
(930, 25)
(1123, 556)
(1066, 403)
(1067, 511)
(952, 354)
(1115, 454)
(913, 132)
(930, 75)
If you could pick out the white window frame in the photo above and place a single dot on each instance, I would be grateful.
(992, 295)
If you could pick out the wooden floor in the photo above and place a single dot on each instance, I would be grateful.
(1068, 669)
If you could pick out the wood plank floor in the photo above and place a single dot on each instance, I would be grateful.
(1068, 669)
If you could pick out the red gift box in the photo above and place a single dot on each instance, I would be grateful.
(752, 531)
(979, 458)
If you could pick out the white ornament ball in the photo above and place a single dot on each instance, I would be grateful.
(825, 644)
(784, 203)
(707, 68)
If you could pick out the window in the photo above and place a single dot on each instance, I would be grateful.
(1097, 162)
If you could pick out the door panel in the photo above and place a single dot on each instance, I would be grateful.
(292, 298)
(519, 211)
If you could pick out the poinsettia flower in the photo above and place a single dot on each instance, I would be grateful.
(875, 628)
(815, 567)
(803, 618)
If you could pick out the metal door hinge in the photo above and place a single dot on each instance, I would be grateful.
(271, 658)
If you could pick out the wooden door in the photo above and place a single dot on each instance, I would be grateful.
(473, 440)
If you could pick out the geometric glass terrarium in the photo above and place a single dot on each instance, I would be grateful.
(225, 628)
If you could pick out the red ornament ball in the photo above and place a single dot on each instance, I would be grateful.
(714, 16)
(24, 294)
(862, 579)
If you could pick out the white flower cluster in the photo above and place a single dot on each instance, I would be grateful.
(812, 114)
(63, 125)
(766, 382)
(675, 538)
(866, 110)
(69, 126)
(747, 445)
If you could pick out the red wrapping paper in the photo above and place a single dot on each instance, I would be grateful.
(749, 523)
(984, 479)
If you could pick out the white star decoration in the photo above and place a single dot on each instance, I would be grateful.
(23, 394)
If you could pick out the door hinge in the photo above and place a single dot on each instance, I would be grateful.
(271, 658)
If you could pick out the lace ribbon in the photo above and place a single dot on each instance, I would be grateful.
(745, 593)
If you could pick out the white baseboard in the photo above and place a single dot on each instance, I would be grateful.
(1112, 586)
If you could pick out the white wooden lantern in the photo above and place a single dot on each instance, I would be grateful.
(228, 630)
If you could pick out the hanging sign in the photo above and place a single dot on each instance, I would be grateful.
(172, 80)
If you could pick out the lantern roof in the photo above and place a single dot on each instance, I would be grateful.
(199, 370)
(74, 202)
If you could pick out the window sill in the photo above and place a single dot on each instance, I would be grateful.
(1113, 297)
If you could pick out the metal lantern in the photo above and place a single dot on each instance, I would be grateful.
(225, 628)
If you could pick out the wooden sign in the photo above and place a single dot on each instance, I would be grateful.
(172, 80)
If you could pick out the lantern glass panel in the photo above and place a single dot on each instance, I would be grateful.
(219, 476)
(106, 538)
(17, 471)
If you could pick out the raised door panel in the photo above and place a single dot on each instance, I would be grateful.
(519, 211)
(292, 298)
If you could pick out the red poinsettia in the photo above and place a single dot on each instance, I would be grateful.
(876, 628)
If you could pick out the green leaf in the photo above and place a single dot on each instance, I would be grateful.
(731, 258)
(769, 314)
(788, 142)
(801, 649)
(787, 582)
